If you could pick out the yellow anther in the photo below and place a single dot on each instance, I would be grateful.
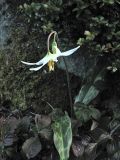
(51, 65)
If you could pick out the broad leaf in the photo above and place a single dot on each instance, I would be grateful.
(85, 113)
(12, 123)
(23, 126)
(9, 139)
(83, 149)
(31, 147)
(63, 136)
(42, 121)
(86, 94)
(90, 90)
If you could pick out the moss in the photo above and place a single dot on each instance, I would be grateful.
(28, 42)
(23, 87)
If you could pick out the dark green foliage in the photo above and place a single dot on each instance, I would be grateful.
(95, 24)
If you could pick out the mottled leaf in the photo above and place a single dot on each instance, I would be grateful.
(95, 113)
(89, 90)
(63, 136)
(85, 113)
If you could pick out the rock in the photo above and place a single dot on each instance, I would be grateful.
(78, 63)
(5, 18)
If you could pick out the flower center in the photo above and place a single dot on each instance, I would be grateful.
(51, 65)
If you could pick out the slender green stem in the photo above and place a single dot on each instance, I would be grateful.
(68, 83)
(48, 104)
(67, 73)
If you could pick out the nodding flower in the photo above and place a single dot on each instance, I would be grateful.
(50, 58)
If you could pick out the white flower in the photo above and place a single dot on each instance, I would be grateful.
(50, 58)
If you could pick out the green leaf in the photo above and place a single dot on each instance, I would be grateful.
(90, 90)
(95, 113)
(85, 113)
(82, 114)
(109, 1)
(86, 94)
(63, 136)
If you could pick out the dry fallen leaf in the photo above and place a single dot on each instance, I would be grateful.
(31, 147)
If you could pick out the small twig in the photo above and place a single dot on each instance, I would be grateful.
(68, 83)
(48, 104)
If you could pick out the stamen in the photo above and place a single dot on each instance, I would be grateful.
(51, 65)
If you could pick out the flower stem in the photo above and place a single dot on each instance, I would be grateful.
(69, 88)
(66, 68)
(48, 40)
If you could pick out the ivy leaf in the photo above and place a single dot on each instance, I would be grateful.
(63, 136)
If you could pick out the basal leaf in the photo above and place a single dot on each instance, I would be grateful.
(63, 136)
(82, 114)
(90, 90)
(85, 113)
(95, 113)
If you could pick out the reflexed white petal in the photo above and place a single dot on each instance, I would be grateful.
(42, 61)
(69, 52)
(38, 68)
(49, 57)
(37, 63)
(27, 63)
